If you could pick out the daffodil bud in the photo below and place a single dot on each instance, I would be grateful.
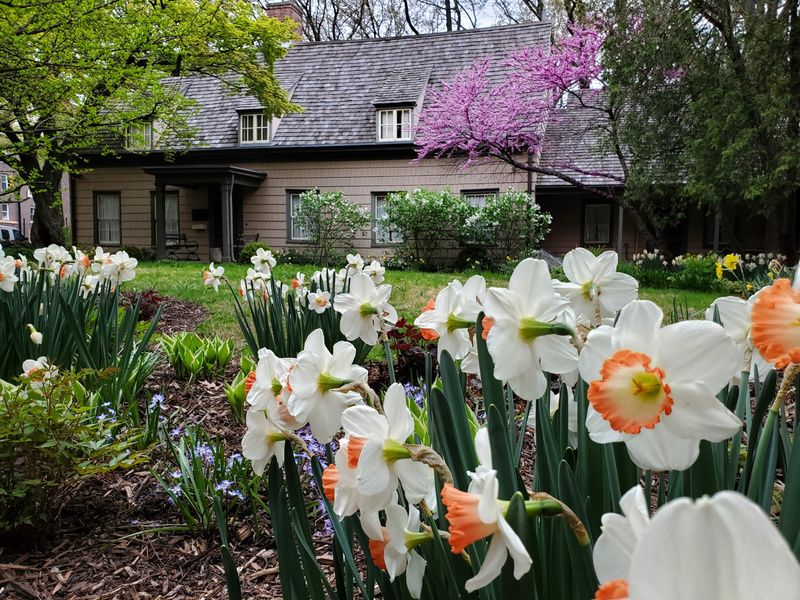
(36, 337)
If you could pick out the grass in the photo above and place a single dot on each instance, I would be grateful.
(411, 290)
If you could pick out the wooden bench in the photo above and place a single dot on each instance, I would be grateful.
(241, 241)
(181, 248)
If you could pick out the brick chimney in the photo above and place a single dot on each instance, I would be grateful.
(281, 10)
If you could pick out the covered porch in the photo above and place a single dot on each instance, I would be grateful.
(225, 186)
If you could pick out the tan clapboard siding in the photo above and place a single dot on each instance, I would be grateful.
(265, 207)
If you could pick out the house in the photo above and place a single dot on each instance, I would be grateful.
(16, 202)
(244, 174)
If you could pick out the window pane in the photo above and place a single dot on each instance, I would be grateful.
(5, 211)
(597, 224)
(296, 232)
(382, 233)
(172, 210)
(108, 218)
(3, 182)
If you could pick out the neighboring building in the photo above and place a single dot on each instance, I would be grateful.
(16, 202)
(360, 100)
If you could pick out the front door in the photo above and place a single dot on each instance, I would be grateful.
(215, 215)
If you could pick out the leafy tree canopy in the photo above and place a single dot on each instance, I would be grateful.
(77, 73)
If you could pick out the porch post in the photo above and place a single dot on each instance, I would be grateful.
(161, 225)
(621, 212)
(717, 224)
(226, 197)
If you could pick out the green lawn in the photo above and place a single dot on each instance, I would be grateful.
(411, 290)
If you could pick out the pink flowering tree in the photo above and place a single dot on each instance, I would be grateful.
(481, 115)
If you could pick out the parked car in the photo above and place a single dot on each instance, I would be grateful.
(11, 234)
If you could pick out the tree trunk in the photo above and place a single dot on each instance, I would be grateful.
(48, 219)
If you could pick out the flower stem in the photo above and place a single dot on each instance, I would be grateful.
(762, 450)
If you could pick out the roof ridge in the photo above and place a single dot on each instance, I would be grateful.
(526, 24)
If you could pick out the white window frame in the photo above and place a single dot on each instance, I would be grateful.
(382, 236)
(593, 238)
(478, 198)
(110, 235)
(33, 211)
(4, 185)
(294, 233)
(393, 124)
(139, 136)
(5, 212)
(254, 128)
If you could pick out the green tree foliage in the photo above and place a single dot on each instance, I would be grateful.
(714, 89)
(77, 73)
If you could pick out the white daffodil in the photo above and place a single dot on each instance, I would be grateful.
(340, 485)
(531, 330)
(365, 309)
(36, 336)
(476, 514)
(119, 267)
(319, 302)
(654, 388)
(263, 260)
(52, 257)
(38, 371)
(315, 383)
(270, 391)
(620, 533)
(262, 441)
(455, 310)
(89, 284)
(718, 547)
(213, 277)
(8, 276)
(376, 448)
(82, 262)
(572, 414)
(100, 258)
(355, 264)
(395, 552)
(735, 316)
(595, 288)
(375, 271)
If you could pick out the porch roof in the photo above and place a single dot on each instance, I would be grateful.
(194, 175)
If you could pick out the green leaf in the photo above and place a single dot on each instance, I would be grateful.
(790, 517)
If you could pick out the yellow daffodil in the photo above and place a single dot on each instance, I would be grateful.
(719, 270)
(731, 262)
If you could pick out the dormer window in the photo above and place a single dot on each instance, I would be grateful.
(139, 136)
(394, 124)
(254, 128)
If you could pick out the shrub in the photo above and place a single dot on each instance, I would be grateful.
(696, 273)
(249, 250)
(53, 433)
(332, 223)
(508, 227)
(140, 252)
(430, 224)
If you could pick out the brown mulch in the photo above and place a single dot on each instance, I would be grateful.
(180, 315)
